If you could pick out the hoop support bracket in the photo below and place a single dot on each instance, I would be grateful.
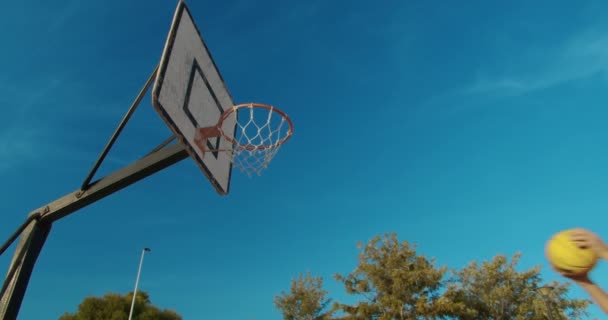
(202, 134)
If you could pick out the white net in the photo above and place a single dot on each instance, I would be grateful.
(259, 134)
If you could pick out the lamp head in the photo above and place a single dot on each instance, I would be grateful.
(544, 290)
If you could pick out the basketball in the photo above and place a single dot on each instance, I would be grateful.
(566, 257)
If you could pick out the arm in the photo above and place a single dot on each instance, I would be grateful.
(588, 240)
(597, 294)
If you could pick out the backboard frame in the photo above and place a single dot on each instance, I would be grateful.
(222, 187)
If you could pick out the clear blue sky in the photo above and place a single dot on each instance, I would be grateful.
(471, 130)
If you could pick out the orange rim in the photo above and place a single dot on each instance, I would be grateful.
(227, 113)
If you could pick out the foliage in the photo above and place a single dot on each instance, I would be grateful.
(113, 306)
(496, 290)
(305, 300)
(393, 282)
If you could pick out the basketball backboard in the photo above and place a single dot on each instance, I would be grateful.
(189, 93)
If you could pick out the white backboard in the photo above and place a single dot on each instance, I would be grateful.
(190, 93)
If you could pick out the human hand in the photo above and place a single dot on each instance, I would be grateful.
(579, 279)
(586, 239)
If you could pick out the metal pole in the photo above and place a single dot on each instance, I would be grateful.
(19, 230)
(27, 251)
(141, 262)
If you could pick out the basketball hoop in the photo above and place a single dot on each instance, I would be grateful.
(258, 133)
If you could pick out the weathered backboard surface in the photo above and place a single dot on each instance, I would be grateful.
(190, 93)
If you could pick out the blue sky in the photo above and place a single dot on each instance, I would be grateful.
(472, 131)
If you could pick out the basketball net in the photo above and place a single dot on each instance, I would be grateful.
(259, 132)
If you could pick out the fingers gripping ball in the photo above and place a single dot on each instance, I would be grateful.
(566, 257)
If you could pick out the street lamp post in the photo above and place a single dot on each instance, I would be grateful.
(141, 262)
(544, 292)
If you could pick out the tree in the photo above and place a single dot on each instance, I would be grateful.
(496, 290)
(395, 283)
(306, 299)
(114, 306)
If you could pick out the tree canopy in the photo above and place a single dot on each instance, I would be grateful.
(306, 299)
(114, 306)
(496, 290)
(393, 282)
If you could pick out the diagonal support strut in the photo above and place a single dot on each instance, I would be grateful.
(121, 125)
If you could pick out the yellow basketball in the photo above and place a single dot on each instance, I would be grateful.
(566, 257)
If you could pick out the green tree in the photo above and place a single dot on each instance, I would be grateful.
(306, 299)
(395, 282)
(496, 290)
(114, 306)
